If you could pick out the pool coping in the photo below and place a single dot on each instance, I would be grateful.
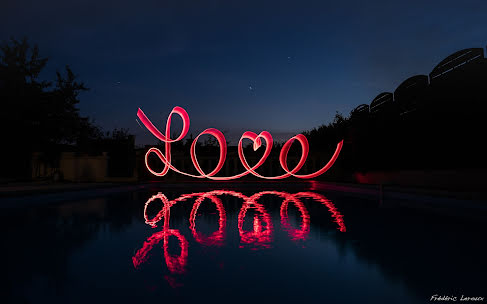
(36, 194)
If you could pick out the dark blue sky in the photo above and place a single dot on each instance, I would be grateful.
(283, 66)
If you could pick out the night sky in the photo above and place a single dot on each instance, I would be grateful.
(282, 66)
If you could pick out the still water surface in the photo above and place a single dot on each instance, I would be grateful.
(260, 244)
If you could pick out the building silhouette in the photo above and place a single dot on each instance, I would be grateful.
(430, 122)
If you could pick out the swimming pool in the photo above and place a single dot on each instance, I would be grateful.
(266, 242)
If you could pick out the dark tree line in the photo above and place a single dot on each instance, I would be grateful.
(40, 115)
(36, 112)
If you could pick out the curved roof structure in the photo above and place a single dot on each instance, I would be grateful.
(380, 101)
(360, 110)
(456, 60)
(411, 86)
(408, 93)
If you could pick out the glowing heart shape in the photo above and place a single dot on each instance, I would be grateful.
(257, 143)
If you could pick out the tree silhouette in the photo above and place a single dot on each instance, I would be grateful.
(37, 115)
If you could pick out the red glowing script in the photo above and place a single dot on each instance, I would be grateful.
(257, 143)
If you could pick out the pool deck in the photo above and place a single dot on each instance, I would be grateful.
(32, 194)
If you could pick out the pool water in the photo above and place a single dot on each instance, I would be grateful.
(269, 243)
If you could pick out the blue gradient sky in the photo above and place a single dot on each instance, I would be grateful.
(304, 60)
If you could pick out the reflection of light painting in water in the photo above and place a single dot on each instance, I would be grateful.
(257, 143)
(260, 236)
(295, 234)
(175, 264)
(217, 238)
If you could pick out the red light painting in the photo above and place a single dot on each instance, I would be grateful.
(257, 143)
(216, 238)
(259, 236)
(175, 264)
